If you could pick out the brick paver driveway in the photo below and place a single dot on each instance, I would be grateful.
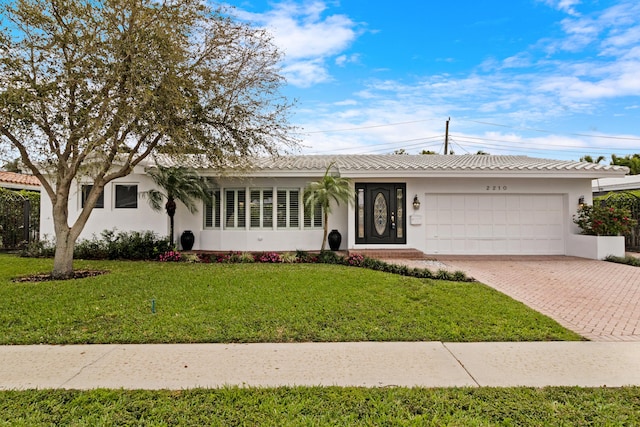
(599, 300)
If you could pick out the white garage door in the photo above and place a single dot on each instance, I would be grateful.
(496, 224)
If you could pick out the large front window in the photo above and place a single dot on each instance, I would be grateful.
(268, 208)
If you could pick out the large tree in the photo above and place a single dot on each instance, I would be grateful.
(93, 87)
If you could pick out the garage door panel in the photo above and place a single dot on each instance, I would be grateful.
(495, 224)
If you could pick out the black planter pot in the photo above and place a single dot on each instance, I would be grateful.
(187, 239)
(334, 238)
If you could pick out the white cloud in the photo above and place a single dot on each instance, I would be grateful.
(308, 38)
(567, 6)
(306, 73)
(343, 60)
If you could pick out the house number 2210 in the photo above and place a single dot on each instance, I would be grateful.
(496, 187)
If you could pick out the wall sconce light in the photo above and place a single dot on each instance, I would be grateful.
(416, 202)
(581, 201)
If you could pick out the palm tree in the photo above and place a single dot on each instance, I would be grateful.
(590, 159)
(177, 183)
(328, 189)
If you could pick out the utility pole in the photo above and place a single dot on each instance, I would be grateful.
(446, 138)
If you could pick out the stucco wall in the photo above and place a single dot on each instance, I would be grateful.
(342, 219)
(109, 218)
(571, 189)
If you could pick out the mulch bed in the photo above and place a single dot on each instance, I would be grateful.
(77, 274)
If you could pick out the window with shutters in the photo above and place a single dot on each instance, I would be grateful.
(288, 208)
(235, 208)
(212, 210)
(261, 208)
(313, 219)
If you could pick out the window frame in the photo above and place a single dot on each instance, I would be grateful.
(85, 189)
(315, 219)
(239, 214)
(115, 195)
(263, 207)
(214, 208)
(288, 209)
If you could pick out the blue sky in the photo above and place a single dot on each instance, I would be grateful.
(545, 78)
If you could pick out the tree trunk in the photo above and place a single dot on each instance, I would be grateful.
(325, 231)
(171, 229)
(170, 207)
(63, 258)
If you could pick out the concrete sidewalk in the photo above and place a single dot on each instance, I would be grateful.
(363, 364)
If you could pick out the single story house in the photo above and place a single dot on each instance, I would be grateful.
(437, 204)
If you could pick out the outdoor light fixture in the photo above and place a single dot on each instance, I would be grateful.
(581, 201)
(416, 202)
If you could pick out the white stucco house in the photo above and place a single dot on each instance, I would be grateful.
(437, 204)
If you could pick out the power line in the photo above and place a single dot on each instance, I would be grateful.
(521, 149)
(550, 131)
(622, 138)
(544, 145)
(417, 141)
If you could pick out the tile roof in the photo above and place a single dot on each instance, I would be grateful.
(417, 165)
(387, 162)
(18, 179)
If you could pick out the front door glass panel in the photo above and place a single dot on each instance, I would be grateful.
(380, 214)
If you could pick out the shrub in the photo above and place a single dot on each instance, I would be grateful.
(204, 258)
(43, 248)
(355, 260)
(289, 257)
(135, 245)
(91, 249)
(629, 260)
(330, 257)
(459, 276)
(190, 258)
(604, 220)
(270, 257)
(170, 256)
(304, 256)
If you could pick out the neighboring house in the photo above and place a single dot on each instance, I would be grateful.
(602, 186)
(18, 181)
(469, 204)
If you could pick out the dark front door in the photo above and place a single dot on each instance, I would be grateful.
(380, 213)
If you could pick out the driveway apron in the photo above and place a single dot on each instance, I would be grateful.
(599, 300)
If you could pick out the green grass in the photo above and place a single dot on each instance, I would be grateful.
(254, 303)
(324, 406)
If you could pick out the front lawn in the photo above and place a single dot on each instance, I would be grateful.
(330, 406)
(254, 303)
